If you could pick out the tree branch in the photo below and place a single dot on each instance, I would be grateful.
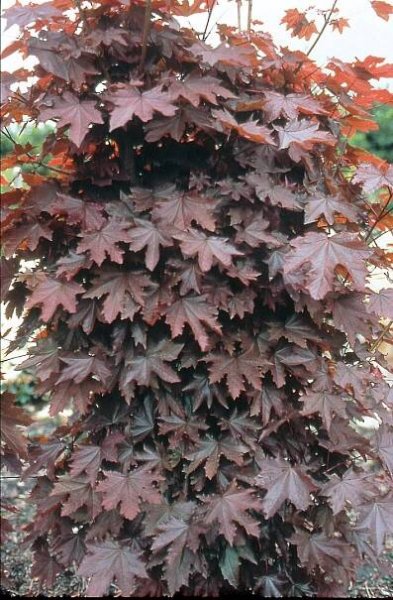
(146, 29)
(249, 15)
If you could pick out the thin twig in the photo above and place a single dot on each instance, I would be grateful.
(34, 160)
(320, 34)
(381, 215)
(210, 12)
(379, 340)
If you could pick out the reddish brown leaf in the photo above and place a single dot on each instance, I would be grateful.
(129, 491)
(328, 206)
(81, 366)
(146, 235)
(71, 111)
(229, 510)
(381, 303)
(247, 366)
(193, 311)
(209, 250)
(23, 15)
(325, 404)
(377, 517)
(276, 105)
(181, 210)
(249, 130)
(383, 9)
(352, 487)
(194, 89)
(283, 482)
(372, 177)
(108, 561)
(129, 101)
(209, 452)
(13, 417)
(323, 254)
(103, 243)
(143, 367)
(124, 291)
(52, 293)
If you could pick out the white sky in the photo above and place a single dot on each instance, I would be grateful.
(367, 35)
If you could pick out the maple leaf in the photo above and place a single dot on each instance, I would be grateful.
(103, 243)
(44, 457)
(124, 291)
(266, 400)
(129, 101)
(69, 548)
(71, 111)
(88, 214)
(176, 126)
(129, 491)
(181, 541)
(283, 482)
(108, 561)
(208, 249)
(24, 15)
(254, 233)
(383, 9)
(339, 24)
(229, 510)
(25, 236)
(249, 130)
(86, 459)
(323, 254)
(299, 24)
(290, 105)
(247, 366)
(377, 517)
(147, 235)
(325, 404)
(76, 492)
(350, 316)
(210, 450)
(142, 367)
(302, 134)
(319, 550)
(81, 366)
(193, 310)
(235, 56)
(193, 88)
(373, 177)
(45, 568)
(51, 293)
(381, 304)
(352, 487)
(180, 210)
(13, 417)
(327, 206)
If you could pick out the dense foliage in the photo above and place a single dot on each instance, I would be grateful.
(194, 271)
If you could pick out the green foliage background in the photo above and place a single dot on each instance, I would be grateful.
(379, 142)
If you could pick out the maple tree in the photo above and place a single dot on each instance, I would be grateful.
(193, 269)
